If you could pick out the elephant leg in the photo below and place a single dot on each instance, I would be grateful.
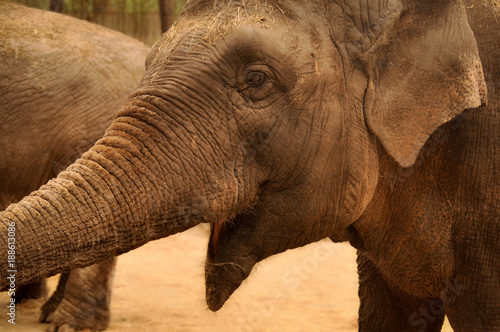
(472, 298)
(36, 290)
(473, 310)
(384, 308)
(82, 298)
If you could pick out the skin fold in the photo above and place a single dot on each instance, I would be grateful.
(59, 93)
(284, 122)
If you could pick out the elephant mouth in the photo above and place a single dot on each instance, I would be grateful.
(215, 232)
(227, 264)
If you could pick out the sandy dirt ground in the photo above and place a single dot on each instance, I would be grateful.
(159, 287)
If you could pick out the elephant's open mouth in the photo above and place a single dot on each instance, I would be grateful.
(215, 232)
(228, 263)
(221, 233)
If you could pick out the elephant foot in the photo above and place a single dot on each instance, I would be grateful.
(68, 316)
(81, 300)
(35, 290)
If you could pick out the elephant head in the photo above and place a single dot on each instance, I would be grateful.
(263, 118)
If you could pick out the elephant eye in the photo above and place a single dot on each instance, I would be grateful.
(255, 79)
(256, 82)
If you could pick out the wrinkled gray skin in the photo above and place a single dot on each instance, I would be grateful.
(62, 81)
(285, 122)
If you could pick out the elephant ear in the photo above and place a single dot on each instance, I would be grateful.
(423, 70)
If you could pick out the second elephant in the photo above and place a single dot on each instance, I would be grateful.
(62, 82)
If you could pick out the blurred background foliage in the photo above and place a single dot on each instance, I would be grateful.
(141, 19)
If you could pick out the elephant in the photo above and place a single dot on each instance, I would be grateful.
(281, 123)
(62, 81)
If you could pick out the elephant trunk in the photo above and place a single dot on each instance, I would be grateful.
(138, 183)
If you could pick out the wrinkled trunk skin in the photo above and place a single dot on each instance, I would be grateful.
(127, 190)
(158, 170)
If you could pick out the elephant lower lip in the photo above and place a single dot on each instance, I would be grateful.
(219, 288)
(222, 279)
(215, 301)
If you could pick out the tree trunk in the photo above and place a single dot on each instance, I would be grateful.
(56, 6)
(165, 15)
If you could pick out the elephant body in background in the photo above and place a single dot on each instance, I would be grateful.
(56, 74)
(284, 122)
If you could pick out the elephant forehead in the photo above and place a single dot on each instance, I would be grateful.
(201, 25)
(214, 22)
